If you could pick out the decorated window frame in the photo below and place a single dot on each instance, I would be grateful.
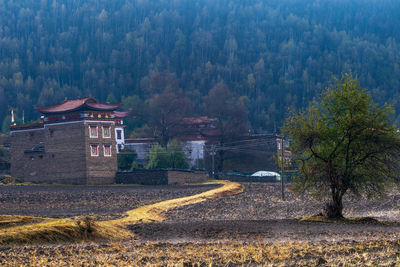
(93, 131)
(119, 134)
(107, 150)
(94, 150)
(106, 131)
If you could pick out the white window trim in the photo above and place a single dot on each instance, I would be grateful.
(97, 131)
(94, 155)
(109, 131)
(104, 150)
(120, 133)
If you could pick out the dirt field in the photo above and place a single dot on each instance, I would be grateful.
(252, 228)
(102, 202)
(259, 214)
(262, 201)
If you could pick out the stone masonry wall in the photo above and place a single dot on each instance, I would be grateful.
(28, 166)
(143, 177)
(182, 177)
(100, 169)
(160, 177)
(65, 153)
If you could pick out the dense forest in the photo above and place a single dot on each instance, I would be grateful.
(276, 55)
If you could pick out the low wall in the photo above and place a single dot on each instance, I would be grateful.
(183, 176)
(249, 179)
(160, 177)
(143, 177)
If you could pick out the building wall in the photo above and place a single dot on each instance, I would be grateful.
(142, 149)
(66, 157)
(194, 152)
(160, 177)
(65, 152)
(28, 166)
(100, 169)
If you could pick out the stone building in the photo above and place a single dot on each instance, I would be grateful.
(76, 143)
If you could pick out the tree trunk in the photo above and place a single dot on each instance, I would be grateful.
(164, 140)
(334, 207)
(220, 163)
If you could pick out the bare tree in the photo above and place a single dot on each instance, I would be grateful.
(231, 117)
(166, 111)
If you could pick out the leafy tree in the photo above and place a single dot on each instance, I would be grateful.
(344, 143)
(172, 157)
(158, 158)
(177, 158)
(126, 159)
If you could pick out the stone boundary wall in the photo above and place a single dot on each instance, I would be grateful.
(160, 177)
(183, 176)
(143, 177)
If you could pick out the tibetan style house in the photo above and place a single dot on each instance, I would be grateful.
(76, 142)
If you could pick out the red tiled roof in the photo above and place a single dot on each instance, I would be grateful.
(72, 105)
(120, 114)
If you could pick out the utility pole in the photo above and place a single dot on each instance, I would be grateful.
(213, 161)
(282, 169)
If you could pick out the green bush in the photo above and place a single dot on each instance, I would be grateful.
(126, 159)
(173, 157)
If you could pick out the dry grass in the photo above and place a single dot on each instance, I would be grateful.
(151, 213)
(39, 230)
(6, 179)
(382, 253)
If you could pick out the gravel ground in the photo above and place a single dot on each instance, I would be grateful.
(103, 202)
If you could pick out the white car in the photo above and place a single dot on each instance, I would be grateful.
(267, 174)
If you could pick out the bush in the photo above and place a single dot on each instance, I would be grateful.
(173, 157)
(126, 159)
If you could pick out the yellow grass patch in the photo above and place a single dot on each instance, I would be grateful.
(366, 253)
(54, 230)
(14, 220)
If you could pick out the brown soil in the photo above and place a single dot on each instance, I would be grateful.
(256, 214)
(259, 214)
(103, 202)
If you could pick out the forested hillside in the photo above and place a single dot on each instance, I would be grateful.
(276, 54)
